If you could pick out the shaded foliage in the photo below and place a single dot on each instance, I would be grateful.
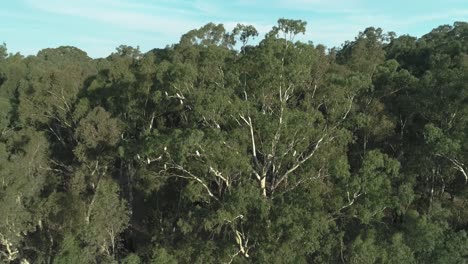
(217, 150)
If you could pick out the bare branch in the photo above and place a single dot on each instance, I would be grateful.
(233, 257)
(349, 108)
(237, 217)
(298, 164)
(456, 165)
(193, 177)
(219, 175)
(10, 254)
(350, 201)
(242, 242)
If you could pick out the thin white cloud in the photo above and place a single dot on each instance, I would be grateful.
(334, 33)
(323, 6)
(18, 16)
(169, 19)
(168, 23)
(207, 8)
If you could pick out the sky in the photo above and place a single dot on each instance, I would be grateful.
(99, 26)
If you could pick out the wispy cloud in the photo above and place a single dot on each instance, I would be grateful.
(121, 14)
(334, 33)
(323, 6)
(157, 23)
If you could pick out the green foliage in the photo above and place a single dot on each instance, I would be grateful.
(209, 151)
(108, 218)
(71, 252)
(131, 259)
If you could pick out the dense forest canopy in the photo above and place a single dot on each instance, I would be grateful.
(231, 148)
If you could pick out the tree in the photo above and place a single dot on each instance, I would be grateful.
(221, 149)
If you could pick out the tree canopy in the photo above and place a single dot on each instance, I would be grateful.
(218, 149)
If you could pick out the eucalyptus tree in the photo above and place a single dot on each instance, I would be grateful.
(223, 149)
(23, 167)
(242, 135)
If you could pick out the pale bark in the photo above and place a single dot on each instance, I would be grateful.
(350, 200)
(95, 188)
(298, 164)
(457, 165)
(261, 178)
(220, 175)
(189, 175)
(242, 242)
(10, 253)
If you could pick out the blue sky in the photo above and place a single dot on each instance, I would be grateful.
(99, 26)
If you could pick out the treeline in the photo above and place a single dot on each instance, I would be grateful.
(220, 149)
